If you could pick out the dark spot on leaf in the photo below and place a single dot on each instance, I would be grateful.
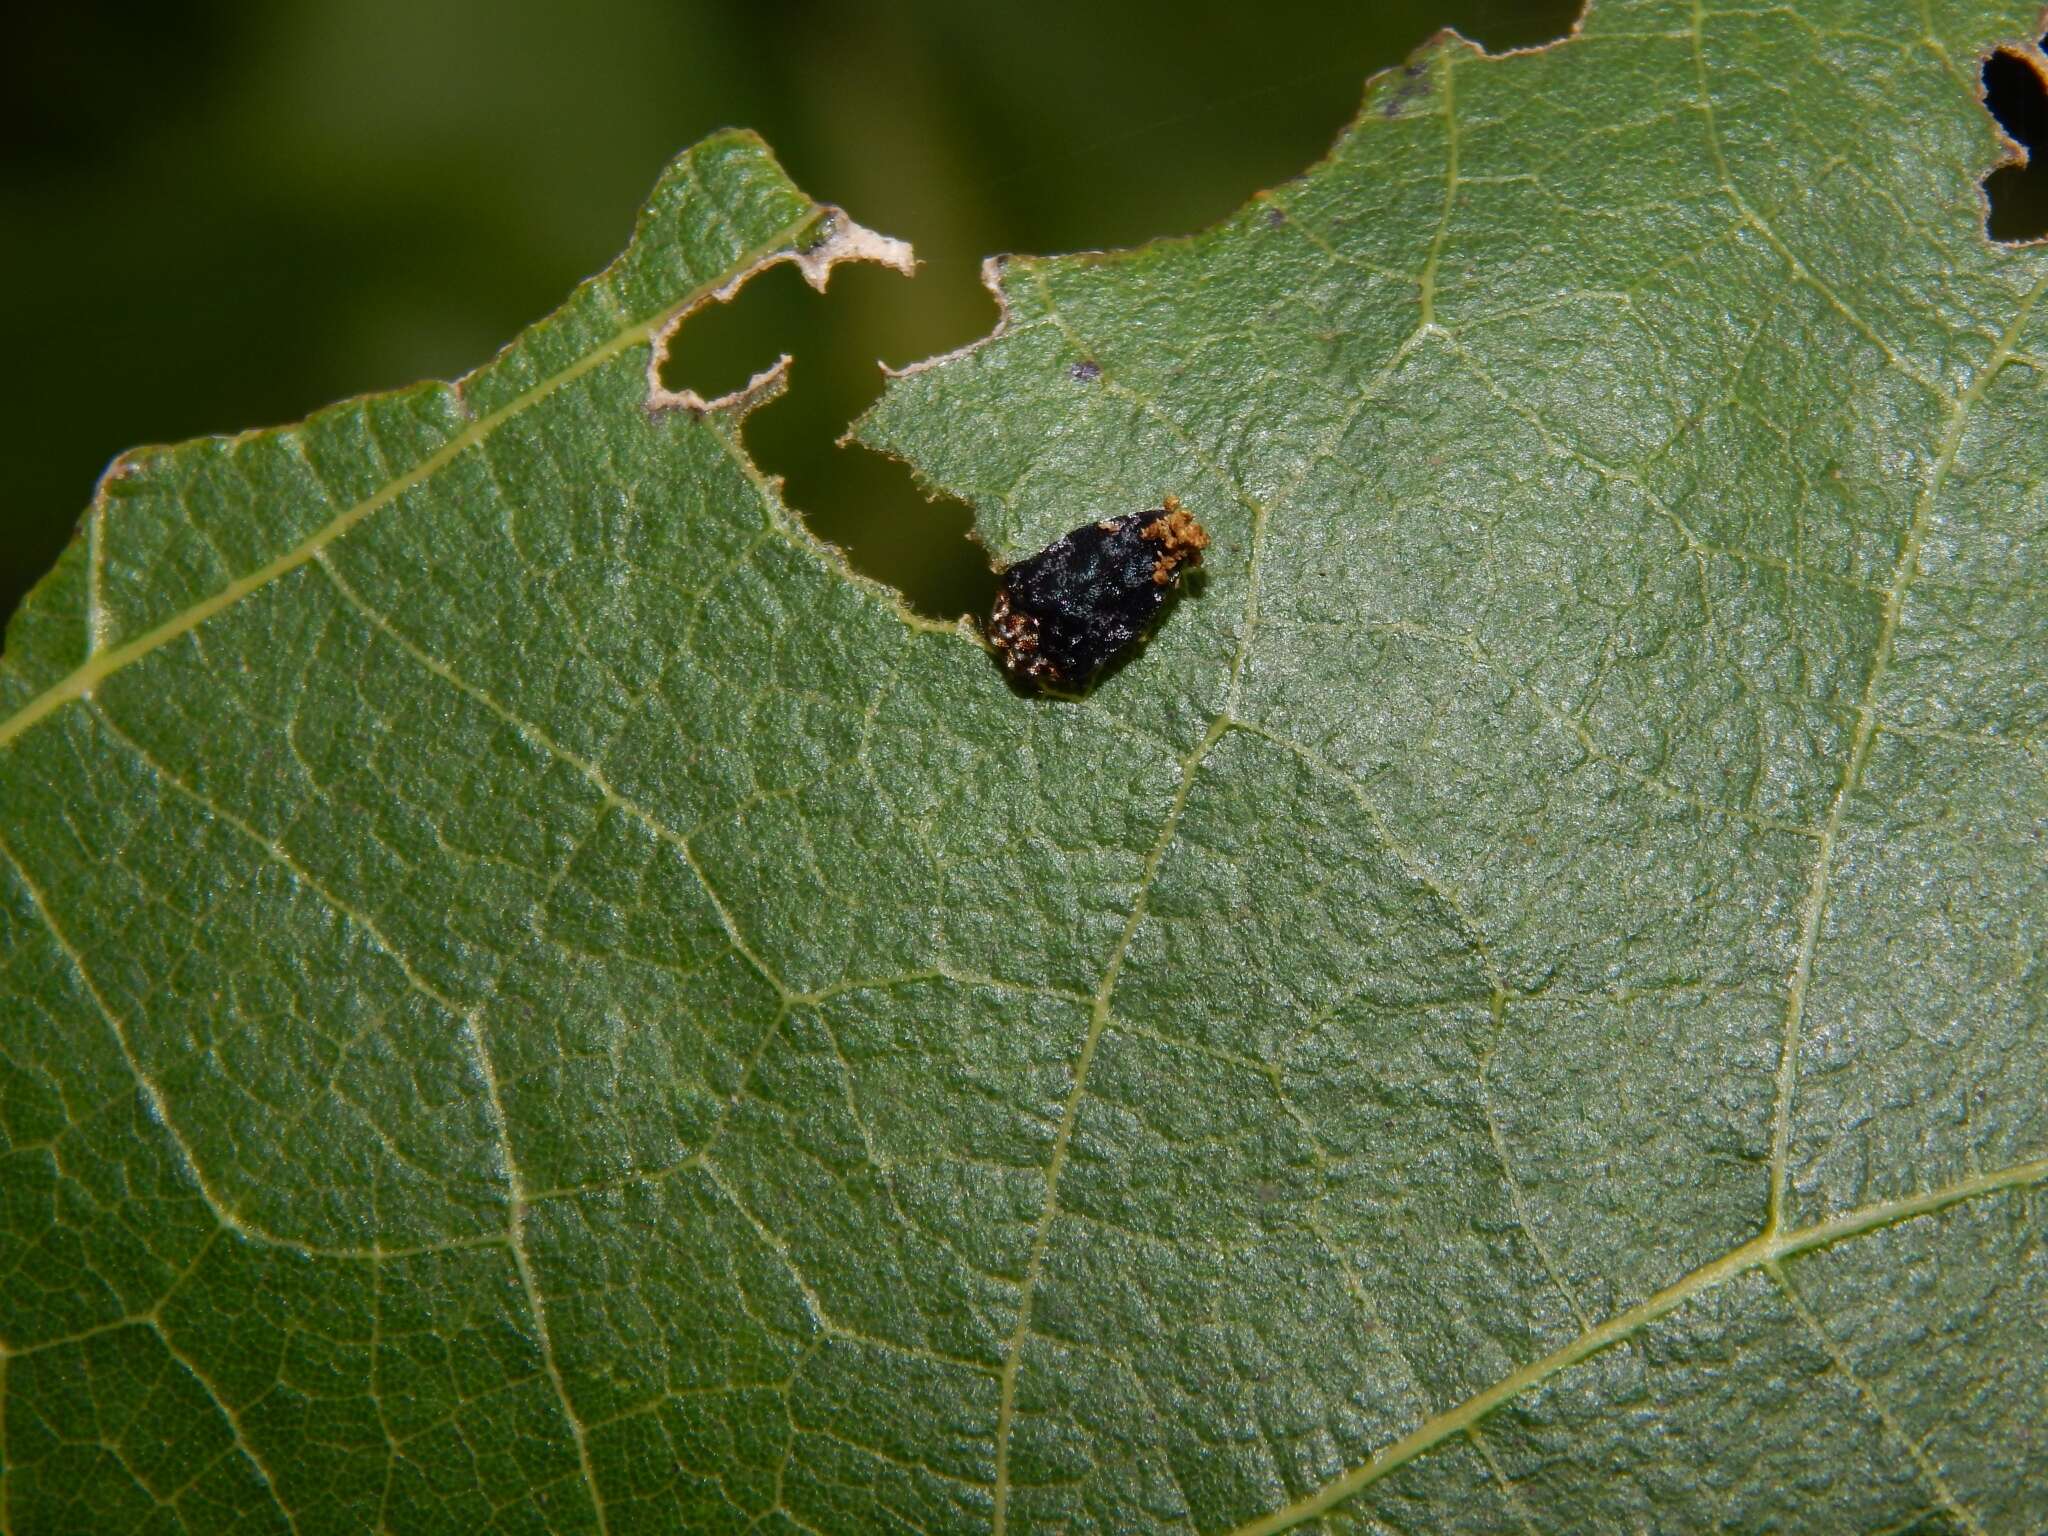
(2016, 95)
(1276, 217)
(1414, 87)
(1087, 370)
(1083, 602)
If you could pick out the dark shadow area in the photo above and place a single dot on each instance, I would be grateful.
(861, 501)
(2018, 194)
(256, 207)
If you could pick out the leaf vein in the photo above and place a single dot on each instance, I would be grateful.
(1063, 1138)
(1812, 918)
(1766, 1248)
(90, 673)
(1913, 1449)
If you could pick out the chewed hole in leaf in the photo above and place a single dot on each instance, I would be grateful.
(862, 502)
(2018, 194)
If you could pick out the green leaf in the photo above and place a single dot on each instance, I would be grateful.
(535, 999)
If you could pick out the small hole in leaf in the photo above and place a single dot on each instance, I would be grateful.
(2017, 97)
(861, 501)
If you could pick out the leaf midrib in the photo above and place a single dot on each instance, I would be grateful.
(1764, 1249)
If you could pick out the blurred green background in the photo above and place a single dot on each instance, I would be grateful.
(219, 216)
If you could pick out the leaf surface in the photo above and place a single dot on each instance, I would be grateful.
(533, 999)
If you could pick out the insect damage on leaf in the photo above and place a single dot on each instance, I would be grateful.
(1066, 612)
